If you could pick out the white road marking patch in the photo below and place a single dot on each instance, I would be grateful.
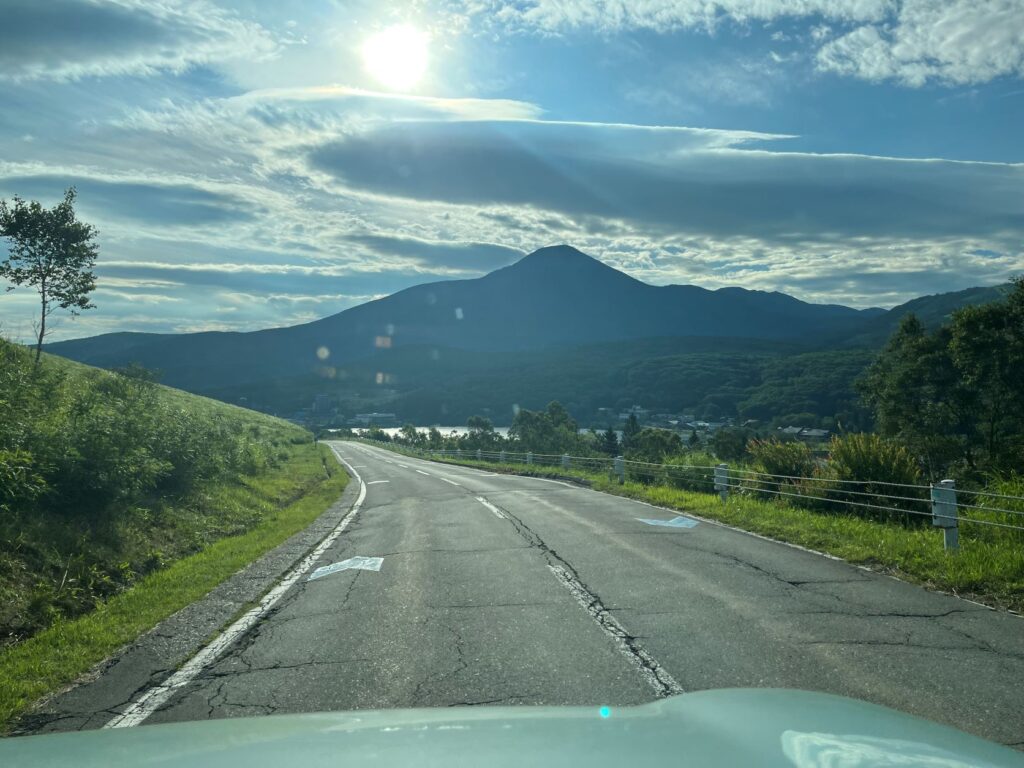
(154, 698)
(376, 482)
(675, 522)
(491, 507)
(353, 563)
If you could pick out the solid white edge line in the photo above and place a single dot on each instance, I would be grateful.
(491, 507)
(157, 696)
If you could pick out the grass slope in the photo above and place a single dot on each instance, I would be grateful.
(285, 500)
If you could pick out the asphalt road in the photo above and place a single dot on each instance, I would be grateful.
(503, 589)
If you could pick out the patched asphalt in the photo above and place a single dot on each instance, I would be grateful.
(555, 594)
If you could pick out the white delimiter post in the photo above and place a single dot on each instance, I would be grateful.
(944, 513)
(529, 458)
(620, 468)
(722, 480)
(565, 461)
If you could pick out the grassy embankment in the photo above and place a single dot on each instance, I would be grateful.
(989, 567)
(122, 502)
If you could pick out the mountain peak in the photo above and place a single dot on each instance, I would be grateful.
(560, 266)
(562, 251)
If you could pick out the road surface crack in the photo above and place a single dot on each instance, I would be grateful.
(628, 645)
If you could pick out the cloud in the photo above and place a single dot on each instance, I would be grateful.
(670, 15)
(959, 42)
(73, 39)
(475, 257)
(677, 182)
(911, 42)
(139, 201)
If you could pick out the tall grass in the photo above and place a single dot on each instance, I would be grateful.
(106, 477)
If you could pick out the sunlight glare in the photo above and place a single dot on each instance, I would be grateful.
(396, 57)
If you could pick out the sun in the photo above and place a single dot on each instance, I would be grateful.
(396, 57)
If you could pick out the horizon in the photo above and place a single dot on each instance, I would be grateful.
(250, 166)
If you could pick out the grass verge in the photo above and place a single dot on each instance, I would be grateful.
(989, 567)
(286, 499)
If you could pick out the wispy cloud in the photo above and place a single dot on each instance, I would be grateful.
(73, 39)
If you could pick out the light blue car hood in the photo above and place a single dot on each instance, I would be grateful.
(735, 728)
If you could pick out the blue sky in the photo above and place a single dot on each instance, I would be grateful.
(247, 169)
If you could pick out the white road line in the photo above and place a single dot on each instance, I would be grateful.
(405, 466)
(157, 696)
(450, 482)
(375, 482)
(491, 507)
(423, 473)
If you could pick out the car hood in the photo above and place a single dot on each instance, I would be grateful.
(762, 727)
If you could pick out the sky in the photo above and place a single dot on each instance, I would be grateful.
(254, 164)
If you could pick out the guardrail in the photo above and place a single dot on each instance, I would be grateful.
(942, 502)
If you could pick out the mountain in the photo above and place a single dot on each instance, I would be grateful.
(556, 296)
(933, 311)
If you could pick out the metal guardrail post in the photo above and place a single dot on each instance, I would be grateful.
(722, 480)
(619, 468)
(566, 461)
(944, 513)
(529, 458)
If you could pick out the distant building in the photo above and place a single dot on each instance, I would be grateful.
(806, 433)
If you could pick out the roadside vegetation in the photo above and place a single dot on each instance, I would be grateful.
(107, 477)
(265, 508)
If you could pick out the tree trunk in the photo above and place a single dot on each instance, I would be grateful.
(42, 324)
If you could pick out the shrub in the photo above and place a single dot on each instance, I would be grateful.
(792, 465)
(690, 472)
(867, 464)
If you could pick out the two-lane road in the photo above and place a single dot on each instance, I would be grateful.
(504, 589)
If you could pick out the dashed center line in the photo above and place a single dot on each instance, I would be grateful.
(491, 507)
(375, 482)
(423, 473)
(450, 482)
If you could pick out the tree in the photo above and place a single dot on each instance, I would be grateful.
(654, 445)
(730, 444)
(410, 435)
(609, 442)
(956, 394)
(630, 430)
(52, 251)
(479, 424)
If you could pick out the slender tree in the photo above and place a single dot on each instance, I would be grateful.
(52, 251)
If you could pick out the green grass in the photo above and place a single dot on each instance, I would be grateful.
(989, 567)
(284, 499)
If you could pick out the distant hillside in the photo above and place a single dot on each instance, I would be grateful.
(933, 311)
(712, 377)
(556, 296)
